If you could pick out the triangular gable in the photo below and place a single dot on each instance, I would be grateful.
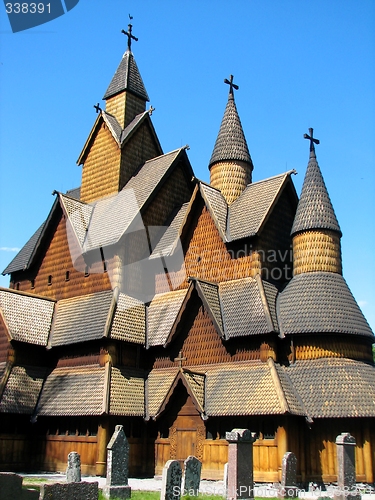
(193, 382)
(209, 294)
(249, 213)
(25, 257)
(27, 317)
(217, 206)
(120, 135)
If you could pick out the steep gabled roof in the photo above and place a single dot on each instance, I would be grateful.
(249, 212)
(127, 77)
(120, 135)
(315, 210)
(231, 143)
(26, 317)
(21, 260)
(217, 206)
(245, 308)
(320, 302)
(129, 321)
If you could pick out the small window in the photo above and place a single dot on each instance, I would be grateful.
(67, 276)
(32, 284)
(49, 279)
(17, 286)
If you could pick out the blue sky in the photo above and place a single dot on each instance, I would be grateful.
(299, 64)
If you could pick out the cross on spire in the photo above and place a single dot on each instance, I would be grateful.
(180, 359)
(130, 36)
(231, 84)
(98, 108)
(312, 140)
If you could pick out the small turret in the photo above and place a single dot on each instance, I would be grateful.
(316, 232)
(230, 164)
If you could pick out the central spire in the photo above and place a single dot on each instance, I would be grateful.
(230, 164)
(126, 95)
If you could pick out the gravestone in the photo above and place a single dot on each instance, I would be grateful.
(346, 481)
(288, 476)
(192, 476)
(69, 491)
(171, 481)
(73, 472)
(240, 464)
(117, 466)
(225, 478)
(11, 488)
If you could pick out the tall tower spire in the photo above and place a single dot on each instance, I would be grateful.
(230, 164)
(316, 232)
(126, 95)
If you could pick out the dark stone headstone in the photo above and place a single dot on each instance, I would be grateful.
(288, 476)
(171, 481)
(117, 466)
(69, 491)
(192, 476)
(346, 480)
(240, 464)
(73, 472)
(10, 485)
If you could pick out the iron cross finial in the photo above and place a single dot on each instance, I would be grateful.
(312, 140)
(231, 84)
(180, 359)
(130, 36)
(151, 110)
(98, 108)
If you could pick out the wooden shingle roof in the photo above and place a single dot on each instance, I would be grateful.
(74, 391)
(334, 388)
(21, 260)
(22, 390)
(127, 392)
(129, 321)
(83, 318)
(315, 210)
(230, 143)
(127, 77)
(27, 317)
(320, 302)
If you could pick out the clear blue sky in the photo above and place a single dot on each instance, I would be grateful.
(299, 64)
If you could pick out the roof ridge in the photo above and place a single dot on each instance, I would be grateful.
(26, 294)
(288, 172)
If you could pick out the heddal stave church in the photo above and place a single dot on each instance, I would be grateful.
(177, 308)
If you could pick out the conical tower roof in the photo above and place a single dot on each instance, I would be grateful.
(315, 210)
(231, 143)
(127, 77)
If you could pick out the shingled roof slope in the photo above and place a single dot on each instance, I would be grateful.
(129, 322)
(320, 302)
(127, 392)
(158, 385)
(210, 292)
(82, 318)
(334, 388)
(315, 210)
(127, 77)
(28, 318)
(78, 214)
(168, 241)
(21, 260)
(73, 392)
(230, 143)
(248, 212)
(161, 315)
(22, 390)
(240, 389)
(217, 205)
(243, 310)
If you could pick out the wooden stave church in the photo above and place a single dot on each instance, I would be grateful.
(255, 327)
